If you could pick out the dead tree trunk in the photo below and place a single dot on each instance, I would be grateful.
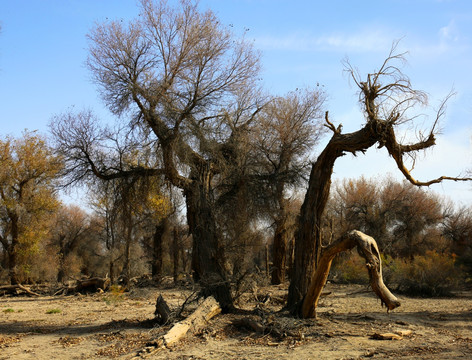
(308, 235)
(10, 289)
(367, 248)
(199, 318)
(128, 224)
(163, 313)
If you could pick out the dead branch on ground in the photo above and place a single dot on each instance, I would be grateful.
(197, 320)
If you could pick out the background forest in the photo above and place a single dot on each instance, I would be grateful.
(134, 230)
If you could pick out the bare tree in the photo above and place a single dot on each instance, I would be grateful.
(288, 129)
(404, 218)
(387, 99)
(69, 232)
(189, 84)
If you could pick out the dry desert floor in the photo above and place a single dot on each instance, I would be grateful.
(349, 324)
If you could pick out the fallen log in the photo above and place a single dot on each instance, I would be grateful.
(86, 285)
(10, 289)
(397, 335)
(194, 322)
(250, 324)
(92, 284)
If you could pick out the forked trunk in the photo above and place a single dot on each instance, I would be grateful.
(308, 234)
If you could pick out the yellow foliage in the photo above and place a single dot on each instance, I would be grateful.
(159, 205)
(28, 170)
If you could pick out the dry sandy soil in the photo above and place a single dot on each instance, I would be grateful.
(111, 325)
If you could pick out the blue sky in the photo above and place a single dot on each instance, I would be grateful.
(43, 48)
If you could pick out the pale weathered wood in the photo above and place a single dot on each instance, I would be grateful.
(368, 249)
(199, 318)
(194, 322)
(396, 335)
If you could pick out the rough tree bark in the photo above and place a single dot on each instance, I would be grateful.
(128, 233)
(279, 252)
(207, 252)
(175, 254)
(11, 250)
(367, 248)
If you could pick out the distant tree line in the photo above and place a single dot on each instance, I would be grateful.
(43, 240)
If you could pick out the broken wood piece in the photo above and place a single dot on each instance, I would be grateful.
(208, 309)
(85, 285)
(386, 336)
(9, 289)
(271, 328)
(249, 324)
(404, 332)
(92, 284)
(397, 335)
(197, 320)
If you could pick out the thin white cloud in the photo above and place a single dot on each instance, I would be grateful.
(449, 41)
(364, 41)
(449, 33)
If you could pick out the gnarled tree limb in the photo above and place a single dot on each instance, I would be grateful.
(368, 250)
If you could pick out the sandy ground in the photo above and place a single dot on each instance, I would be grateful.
(114, 325)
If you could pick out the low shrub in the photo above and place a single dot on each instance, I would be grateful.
(53, 311)
(432, 274)
(115, 295)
